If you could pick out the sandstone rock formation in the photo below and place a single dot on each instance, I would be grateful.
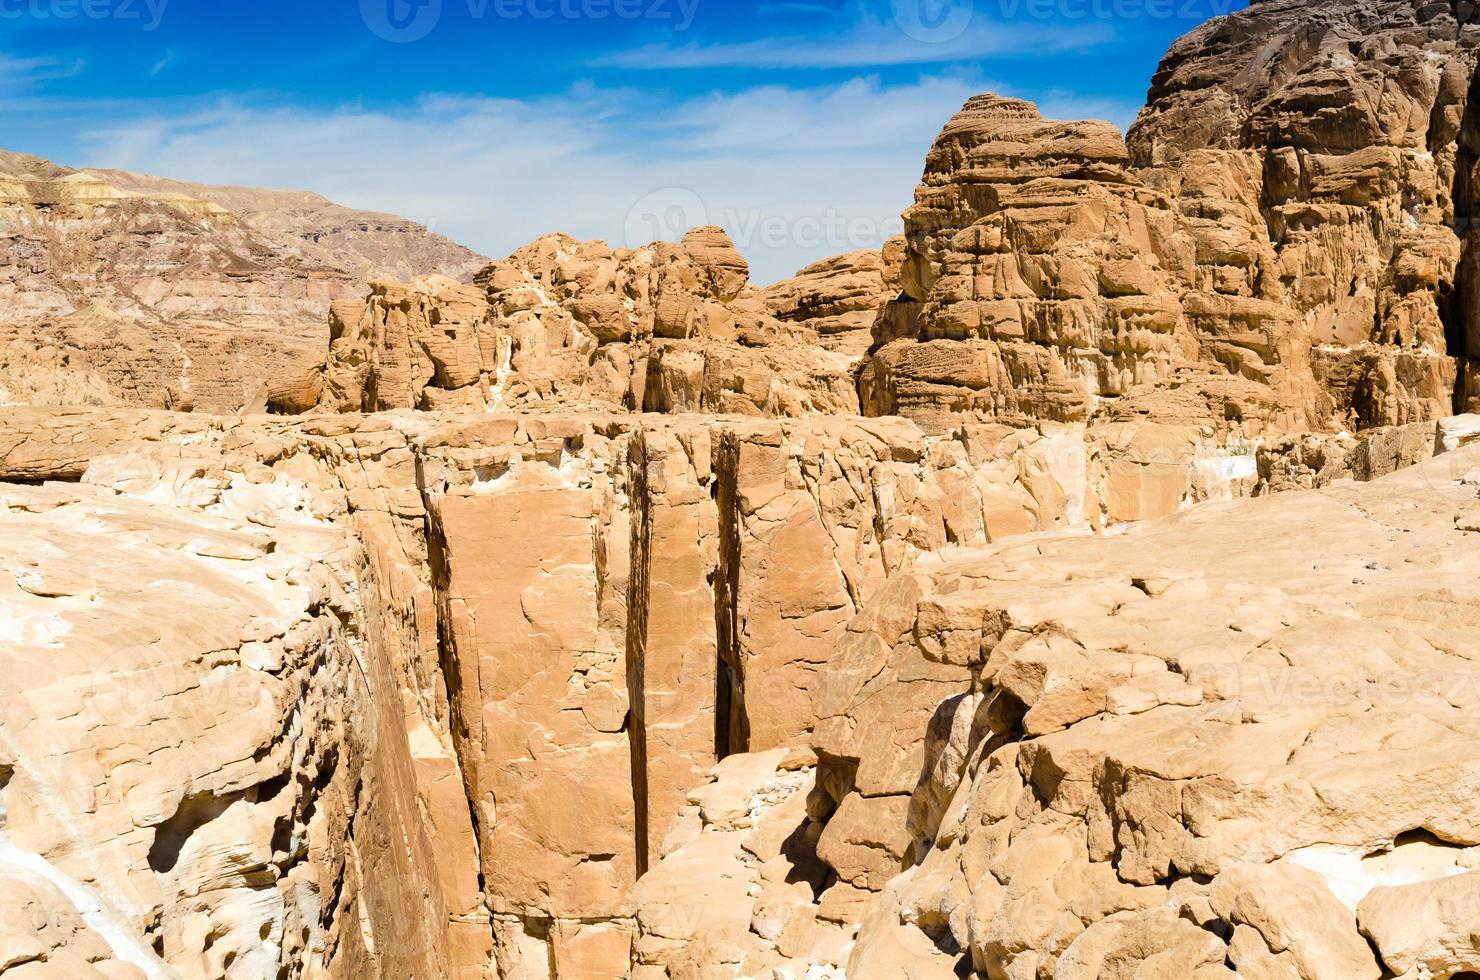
(1036, 278)
(840, 298)
(123, 289)
(1185, 751)
(602, 616)
(661, 590)
(667, 328)
(538, 728)
(1287, 211)
(1345, 128)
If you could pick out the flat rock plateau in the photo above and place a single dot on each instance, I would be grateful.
(1083, 586)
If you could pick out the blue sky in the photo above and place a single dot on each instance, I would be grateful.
(801, 125)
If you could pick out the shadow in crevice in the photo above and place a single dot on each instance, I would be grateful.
(1456, 301)
(194, 813)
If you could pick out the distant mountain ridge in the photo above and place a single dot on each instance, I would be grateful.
(373, 244)
(123, 288)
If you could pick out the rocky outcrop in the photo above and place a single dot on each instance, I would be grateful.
(120, 289)
(1330, 139)
(561, 323)
(841, 298)
(577, 624)
(1037, 278)
(198, 773)
(1288, 210)
(658, 607)
(1133, 755)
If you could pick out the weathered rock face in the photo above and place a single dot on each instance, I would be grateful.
(1288, 210)
(658, 605)
(1036, 279)
(667, 328)
(202, 756)
(581, 628)
(123, 289)
(841, 298)
(1329, 137)
(1183, 751)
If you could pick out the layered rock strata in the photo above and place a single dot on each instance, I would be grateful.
(1291, 210)
(1039, 275)
(1341, 131)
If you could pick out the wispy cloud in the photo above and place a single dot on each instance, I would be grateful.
(23, 74)
(159, 66)
(1067, 105)
(860, 36)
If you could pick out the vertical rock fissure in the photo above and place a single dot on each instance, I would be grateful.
(731, 722)
(1458, 314)
(637, 638)
(437, 561)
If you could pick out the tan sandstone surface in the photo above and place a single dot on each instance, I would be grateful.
(1287, 223)
(672, 328)
(1086, 585)
(534, 726)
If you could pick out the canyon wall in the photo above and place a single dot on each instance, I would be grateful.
(518, 646)
(1283, 226)
(601, 615)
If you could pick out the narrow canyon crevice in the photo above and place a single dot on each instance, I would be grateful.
(638, 600)
(731, 723)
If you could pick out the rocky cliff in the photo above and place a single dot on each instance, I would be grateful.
(1290, 211)
(793, 605)
(669, 328)
(1083, 586)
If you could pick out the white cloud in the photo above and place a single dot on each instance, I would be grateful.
(797, 174)
(905, 32)
(1063, 105)
(159, 66)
